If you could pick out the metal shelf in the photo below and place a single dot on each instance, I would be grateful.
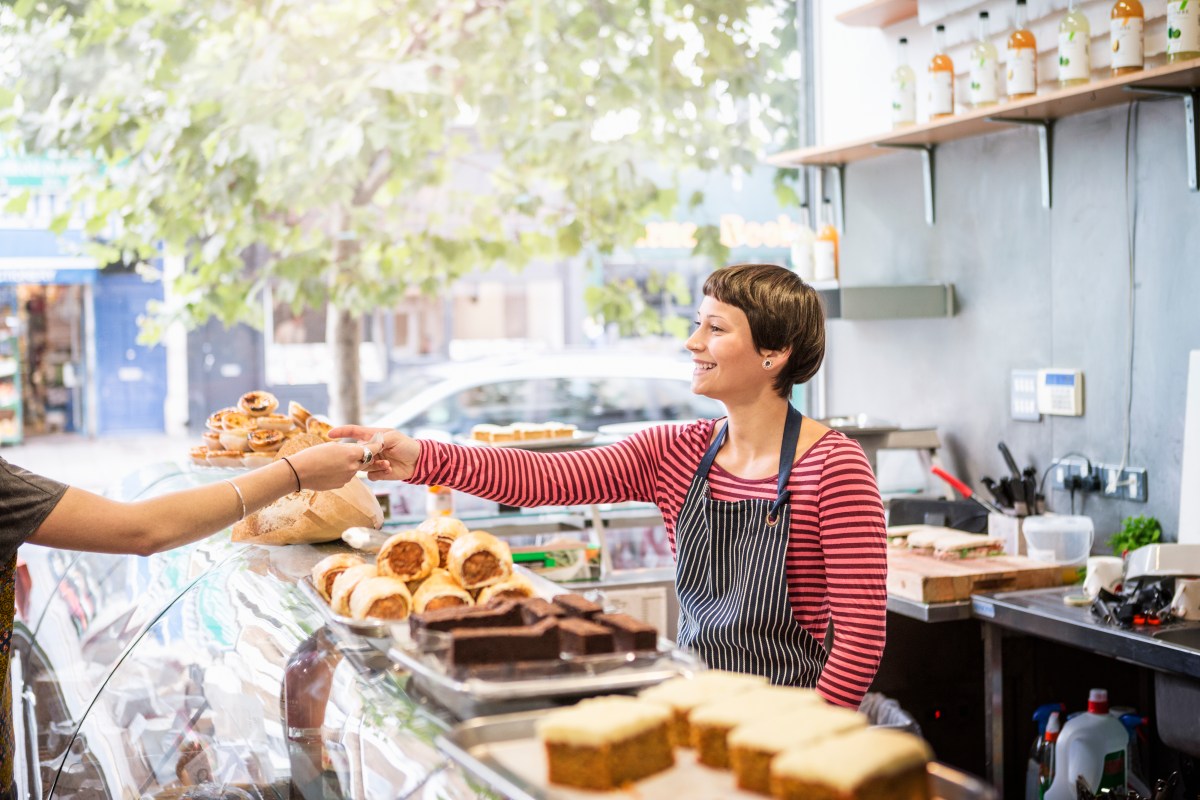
(915, 301)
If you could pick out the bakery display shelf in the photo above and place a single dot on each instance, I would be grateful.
(1047, 106)
(1171, 80)
(878, 13)
(504, 752)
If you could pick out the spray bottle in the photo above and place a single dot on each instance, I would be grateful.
(1032, 768)
(1047, 763)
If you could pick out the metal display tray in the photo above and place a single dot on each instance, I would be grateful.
(505, 753)
(508, 687)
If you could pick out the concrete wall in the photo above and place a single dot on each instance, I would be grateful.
(1037, 288)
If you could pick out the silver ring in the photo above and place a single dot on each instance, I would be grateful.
(367, 456)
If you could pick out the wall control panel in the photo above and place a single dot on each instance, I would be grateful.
(1060, 391)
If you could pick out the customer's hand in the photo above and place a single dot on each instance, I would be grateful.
(331, 465)
(397, 456)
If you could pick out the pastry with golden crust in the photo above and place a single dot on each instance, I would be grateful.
(514, 587)
(264, 441)
(298, 413)
(408, 555)
(258, 403)
(478, 559)
(445, 530)
(440, 590)
(383, 597)
(344, 584)
(318, 427)
(224, 458)
(326, 571)
(199, 455)
(276, 422)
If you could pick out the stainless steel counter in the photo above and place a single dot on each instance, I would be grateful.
(1042, 612)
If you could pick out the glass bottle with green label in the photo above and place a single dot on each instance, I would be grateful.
(1183, 30)
(1074, 47)
(984, 60)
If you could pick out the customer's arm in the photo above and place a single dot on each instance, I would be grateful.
(85, 521)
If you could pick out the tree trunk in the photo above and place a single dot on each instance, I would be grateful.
(343, 332)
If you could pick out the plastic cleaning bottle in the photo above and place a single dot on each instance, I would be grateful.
(1094, 746)
(1046, 757)
(1033, 767)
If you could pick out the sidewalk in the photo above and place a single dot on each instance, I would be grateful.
(97, 463)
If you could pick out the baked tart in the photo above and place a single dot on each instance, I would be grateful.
(224, 458)
(212, 440)
(258, 404)
(262, 441)
(253, 460)
(275, 422)
(236, 439)
(200, 456)
(298, 413)
(318, 427)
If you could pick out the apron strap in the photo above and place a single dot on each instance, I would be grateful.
(787, 454)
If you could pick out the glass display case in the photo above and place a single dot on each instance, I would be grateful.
(205, 672)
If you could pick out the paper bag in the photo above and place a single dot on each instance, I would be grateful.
(308, 516)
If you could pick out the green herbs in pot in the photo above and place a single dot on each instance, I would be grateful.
(1135, 532)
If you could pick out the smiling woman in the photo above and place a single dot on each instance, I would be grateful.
(775, 521)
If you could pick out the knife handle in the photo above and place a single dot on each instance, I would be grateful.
(1011, 462)
(958, 485)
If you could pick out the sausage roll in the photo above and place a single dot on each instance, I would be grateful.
(343, 586)
(408, 555)
(383, 597)
(515, 587)
(325, 571)
(440, 590)
(444, 530)
(478, 559)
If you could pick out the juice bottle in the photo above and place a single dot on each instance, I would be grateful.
(904, 88)
(941, 78)
(825, 249)
(983, 62)
(1183, 30)
(1022, 59)
(1074, 42)
(1126, 38)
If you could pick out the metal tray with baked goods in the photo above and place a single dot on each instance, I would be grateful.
(486, 689)
(505, 753)
(380, 630)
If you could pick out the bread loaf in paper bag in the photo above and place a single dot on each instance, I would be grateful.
(310, 516)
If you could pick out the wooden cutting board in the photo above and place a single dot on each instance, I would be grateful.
(931, 580)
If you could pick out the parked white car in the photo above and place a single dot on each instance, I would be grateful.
(587, 389)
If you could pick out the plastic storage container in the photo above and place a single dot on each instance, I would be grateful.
(1058, 538)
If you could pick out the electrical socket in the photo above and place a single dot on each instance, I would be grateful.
(1128, 485)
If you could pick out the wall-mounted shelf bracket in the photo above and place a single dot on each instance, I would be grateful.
(1045, 150)
(839, 198)
(1191, 125)
(926, 151)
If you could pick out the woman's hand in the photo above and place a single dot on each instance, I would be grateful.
(397, 456)
(331, 465)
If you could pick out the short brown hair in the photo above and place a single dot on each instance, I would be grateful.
(783, 311)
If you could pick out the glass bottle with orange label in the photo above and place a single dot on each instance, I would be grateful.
(941, 78)
(825, 248)
(1021, 72)
(1126, 23)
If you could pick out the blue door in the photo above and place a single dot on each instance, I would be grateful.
(131, 379)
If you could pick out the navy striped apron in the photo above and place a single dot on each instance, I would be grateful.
(730, 575)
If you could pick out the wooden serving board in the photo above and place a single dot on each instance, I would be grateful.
(931, 580)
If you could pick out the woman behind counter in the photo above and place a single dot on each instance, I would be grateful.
(775, 521)
(42, 511)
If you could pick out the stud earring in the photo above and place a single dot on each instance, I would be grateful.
(767, 364)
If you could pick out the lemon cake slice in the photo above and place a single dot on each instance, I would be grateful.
(683, 694)
(710, 723)
(605, 742)
(753, 744)
(866, 764)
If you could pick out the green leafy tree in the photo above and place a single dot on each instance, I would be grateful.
(360, 148)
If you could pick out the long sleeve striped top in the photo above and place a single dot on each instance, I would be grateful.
(836, 559)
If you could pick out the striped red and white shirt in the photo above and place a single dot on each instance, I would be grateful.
(836, 559)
